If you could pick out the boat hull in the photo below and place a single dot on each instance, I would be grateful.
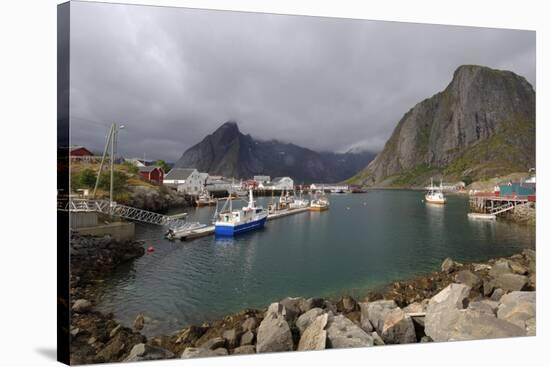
(226, 230)
(432, 200)
(318, 208)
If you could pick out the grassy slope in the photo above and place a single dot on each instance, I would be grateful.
(506, 152)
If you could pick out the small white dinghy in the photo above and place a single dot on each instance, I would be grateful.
(482, 216)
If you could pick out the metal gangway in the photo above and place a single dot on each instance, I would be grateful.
(127, 212)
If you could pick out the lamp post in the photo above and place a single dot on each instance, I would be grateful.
(114, 140)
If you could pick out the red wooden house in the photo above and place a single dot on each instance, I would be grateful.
(80, 152)
(152, 173)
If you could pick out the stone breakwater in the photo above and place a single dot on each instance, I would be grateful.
(459, 302)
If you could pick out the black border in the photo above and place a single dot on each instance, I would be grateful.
(63, 142)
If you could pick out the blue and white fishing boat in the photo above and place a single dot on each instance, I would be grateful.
(232, 222)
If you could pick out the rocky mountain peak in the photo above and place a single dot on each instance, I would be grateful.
(481, 125)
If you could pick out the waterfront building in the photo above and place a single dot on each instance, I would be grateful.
(261, 179)
(187, 180)
(152, 173)
(282, 183)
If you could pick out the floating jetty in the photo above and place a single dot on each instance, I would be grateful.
(209, 230)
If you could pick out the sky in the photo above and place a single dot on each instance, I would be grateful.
(172, 76)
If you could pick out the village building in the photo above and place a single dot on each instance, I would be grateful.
(187, 180)
(282, 183)
(152, 173)
(261, 179)
(80, 153)
(138, 162)
(217, 184)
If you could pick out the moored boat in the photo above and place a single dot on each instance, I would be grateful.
(183, 231)
(232, 222)
(319, 203)
(434, 194)
(205, 199)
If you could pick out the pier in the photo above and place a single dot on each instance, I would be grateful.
(491, 204)
(209, 230)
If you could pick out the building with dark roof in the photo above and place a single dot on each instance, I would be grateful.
(152, 173)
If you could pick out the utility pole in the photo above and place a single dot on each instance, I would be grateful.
(111, 142)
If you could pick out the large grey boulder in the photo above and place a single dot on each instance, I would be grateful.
(247, 338)
(191, 352)
(364, 319)
(232, 338)
(470, 324)
(398, 328)
(310, 303)
(500, 267)
(276, 308)
(343, 333)
(249, 324)
(307, 318)
(82, 306)
(139, 322)
(468, 278)
(440, 311)
(314, 336)
(274, 332)
(518, 268)
(293, 307)
(519, 308)
(448, 265)
(482, 307)
(214, 343)
(347, 304)
(376, 312)
(510, 282)
(145, 352)
(245, 349)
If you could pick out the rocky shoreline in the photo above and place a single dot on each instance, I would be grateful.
(492, 299)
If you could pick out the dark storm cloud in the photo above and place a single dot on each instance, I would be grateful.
(174, 75)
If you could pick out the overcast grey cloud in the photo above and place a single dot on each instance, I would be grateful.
(173, 75)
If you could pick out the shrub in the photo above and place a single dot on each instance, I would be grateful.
(87, 178)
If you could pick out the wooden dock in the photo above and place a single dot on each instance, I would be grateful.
(493, 205)
(209, 230)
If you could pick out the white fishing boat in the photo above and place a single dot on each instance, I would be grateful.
(231, 222)
(298, 203)
(205, 199)
(434, 194)
(319, 203)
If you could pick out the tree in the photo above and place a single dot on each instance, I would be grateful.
(87, 178)
(119, 181)
(130, 167)
(162, 164)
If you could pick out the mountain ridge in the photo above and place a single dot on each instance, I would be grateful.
(229, 152)
(481, 125)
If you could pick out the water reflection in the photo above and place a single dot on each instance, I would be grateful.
(352, 247)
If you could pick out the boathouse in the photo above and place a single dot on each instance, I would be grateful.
(152, 173)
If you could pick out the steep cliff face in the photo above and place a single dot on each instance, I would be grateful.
(230, 153)
(481, 125)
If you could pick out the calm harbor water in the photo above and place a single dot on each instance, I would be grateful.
(362, 242)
